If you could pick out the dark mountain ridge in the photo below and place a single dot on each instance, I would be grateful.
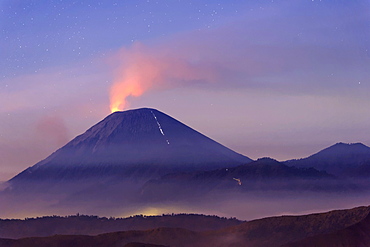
(93, 225)
(263, 168)
(276, 231)
(267, 232)
(263, 174)
(341, 159)
(357, 235)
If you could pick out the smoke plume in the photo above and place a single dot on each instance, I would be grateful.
(142, 69)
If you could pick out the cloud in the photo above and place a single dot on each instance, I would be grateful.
(268, 49)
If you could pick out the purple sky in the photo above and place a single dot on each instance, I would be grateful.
(266, 78)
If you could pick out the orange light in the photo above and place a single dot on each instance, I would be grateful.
(114, 109)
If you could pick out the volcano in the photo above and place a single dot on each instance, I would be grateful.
(143, 142)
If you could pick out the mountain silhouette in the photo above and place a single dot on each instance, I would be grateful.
(262, 174)
(341, 159)
(94, 225)
(335, 228)
(142, 142)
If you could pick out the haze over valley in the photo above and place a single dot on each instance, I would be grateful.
(145, 162)
(184, 123)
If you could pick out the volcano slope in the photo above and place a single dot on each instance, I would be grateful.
(109, 163)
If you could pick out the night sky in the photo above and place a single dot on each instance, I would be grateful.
(266, 78)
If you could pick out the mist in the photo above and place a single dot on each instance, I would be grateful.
(102, 199)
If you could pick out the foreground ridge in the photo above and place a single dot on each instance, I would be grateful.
(273, 231)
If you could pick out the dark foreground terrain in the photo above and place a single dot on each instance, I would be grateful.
(332, 229)
(94, 225)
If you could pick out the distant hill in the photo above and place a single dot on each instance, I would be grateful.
(93, 225)
(341, 159)
(260, 175)
(268, 232)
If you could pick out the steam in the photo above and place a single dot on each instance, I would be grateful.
(142, 69)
